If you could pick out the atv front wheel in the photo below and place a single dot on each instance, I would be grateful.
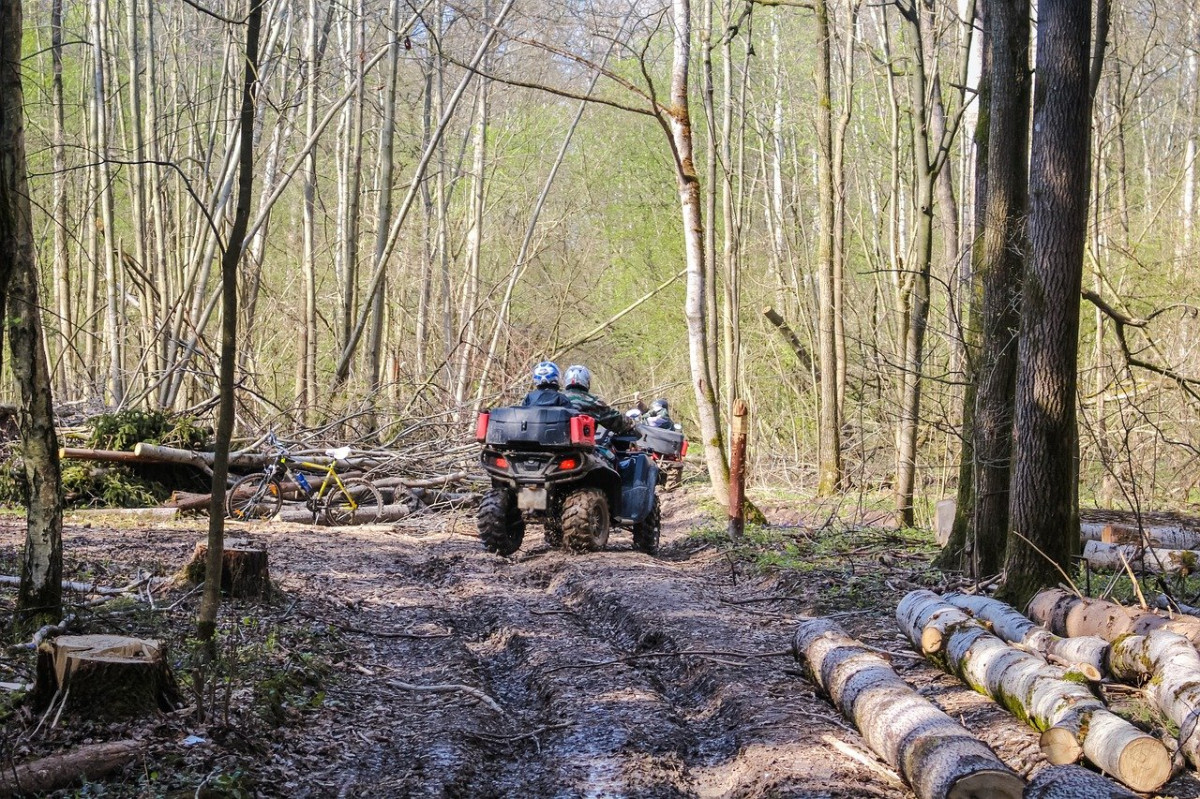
(501, 527)
(585, 522)
(646, 532)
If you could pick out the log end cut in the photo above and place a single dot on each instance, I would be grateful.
(988, 784)
(1060, 746)
(104, 676)
(1145, 764)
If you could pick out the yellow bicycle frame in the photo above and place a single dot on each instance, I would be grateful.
(330, 471)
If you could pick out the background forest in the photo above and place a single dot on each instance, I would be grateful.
(421, 233)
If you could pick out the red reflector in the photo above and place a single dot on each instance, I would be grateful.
(501, 462)
(568, 463)
(583, 430)
(481, 426)
(683, 452)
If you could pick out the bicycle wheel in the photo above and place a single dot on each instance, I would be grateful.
(359, 503)
(255, 496)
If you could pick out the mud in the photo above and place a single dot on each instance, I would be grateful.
(604, 675)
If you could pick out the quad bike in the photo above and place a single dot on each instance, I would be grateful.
(668, 448)
(546, 467)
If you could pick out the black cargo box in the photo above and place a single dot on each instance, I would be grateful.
(529, 427)
(660, 440)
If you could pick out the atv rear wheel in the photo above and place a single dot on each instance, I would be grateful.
(646, 532)
(501, 527)
(585, 521)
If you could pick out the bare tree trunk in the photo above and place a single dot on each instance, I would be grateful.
(838, 150)
(679, 128)
(349, 206)
(709, 189)
(956, 554)
(469, 345)
(206, 624)
(113, 292)
(39, 598)
(306, 362)
(829, 479)
(1043, 500)
(1000, 270)
(65, 323)
(917, 298)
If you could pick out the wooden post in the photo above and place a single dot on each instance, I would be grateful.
(737, 471)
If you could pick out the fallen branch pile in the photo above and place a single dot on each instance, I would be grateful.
(423, 474)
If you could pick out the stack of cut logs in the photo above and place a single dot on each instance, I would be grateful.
(1044, 669)
(1159, 549)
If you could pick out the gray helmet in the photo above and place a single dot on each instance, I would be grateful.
(546, 375)
(578, 376)
(659, 407)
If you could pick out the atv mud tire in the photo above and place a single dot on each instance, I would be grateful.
(585, 522)
(646, 532)
(553, 533)
(501, 528)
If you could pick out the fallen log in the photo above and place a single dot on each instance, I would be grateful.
(51, 773)
(1165, 537)
(1073, 782)
(104, 676)
(1072, 720)
(105, 455)
(933, 752)
(1169, 666)
(298, 513)
(1066, 614)
(1087, 654)
(425, 482)
(1108, 557)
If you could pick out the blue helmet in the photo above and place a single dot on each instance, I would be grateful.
(546, 375)
(578, 376)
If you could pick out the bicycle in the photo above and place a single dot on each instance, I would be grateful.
(349, 501)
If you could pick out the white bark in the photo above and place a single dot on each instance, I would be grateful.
(934, 753)
(1168, 537)
(1108, 557)
(1008, 623)
(1041, 694)
(1169, 666)
(679, 125)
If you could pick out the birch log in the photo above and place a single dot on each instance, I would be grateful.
(934, 754)
(1087, 654)
(1066, 614)
(1072, 720)
(1073, 782)
(1170, 666)
(1166, 537)
(1107, 557)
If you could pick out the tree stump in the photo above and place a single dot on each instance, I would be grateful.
(104, 676)
(244, 572)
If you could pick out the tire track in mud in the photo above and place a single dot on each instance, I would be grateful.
(528, 631)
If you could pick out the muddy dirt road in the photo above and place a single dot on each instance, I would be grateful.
(422, 666)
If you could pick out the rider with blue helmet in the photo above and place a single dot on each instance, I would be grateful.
(547, 379)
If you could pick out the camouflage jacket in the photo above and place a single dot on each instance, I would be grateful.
(605, 415)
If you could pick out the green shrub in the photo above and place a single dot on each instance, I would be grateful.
(125, 429)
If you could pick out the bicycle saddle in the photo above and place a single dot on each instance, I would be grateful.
(341, 453)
